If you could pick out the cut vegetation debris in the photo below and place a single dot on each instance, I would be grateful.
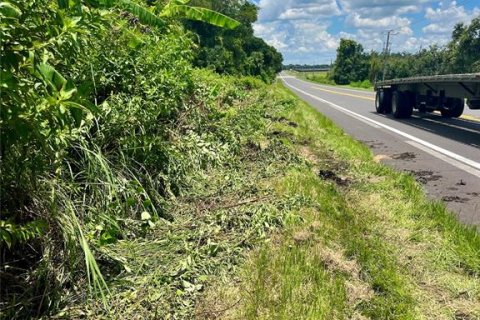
(294, 220)
(136, 186)
(374, 248)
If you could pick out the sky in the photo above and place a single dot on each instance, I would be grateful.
(309, 31)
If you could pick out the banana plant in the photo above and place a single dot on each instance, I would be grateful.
(181, 9)
(173, 9)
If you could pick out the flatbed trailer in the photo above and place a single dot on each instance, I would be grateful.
(445, 93)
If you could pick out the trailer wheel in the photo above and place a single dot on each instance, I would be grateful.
(402, 104)
(453, 108)
(383, 101)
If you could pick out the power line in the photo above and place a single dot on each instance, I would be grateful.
(386, 50)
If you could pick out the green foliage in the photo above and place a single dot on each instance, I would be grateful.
(320, 77)
(351, 64)
(11, 233)
(91, 100)
(179, 8)
(145, 15)
(40, 107)
(238, 51)
(365, 84)
(172, 9)
(464, 49)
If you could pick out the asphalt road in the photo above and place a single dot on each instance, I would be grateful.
(443, 154)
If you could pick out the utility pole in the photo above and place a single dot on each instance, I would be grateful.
(386, 51)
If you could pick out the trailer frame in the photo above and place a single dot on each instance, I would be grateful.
(445, 93)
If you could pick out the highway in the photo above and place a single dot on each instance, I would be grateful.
(443, 154)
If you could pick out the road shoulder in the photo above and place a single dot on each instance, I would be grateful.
(365, 241)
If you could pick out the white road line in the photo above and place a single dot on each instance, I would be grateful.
(370, 124)
(451, 125)
(447, 153)
(451, 161)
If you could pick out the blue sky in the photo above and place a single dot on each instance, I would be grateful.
(308, 31)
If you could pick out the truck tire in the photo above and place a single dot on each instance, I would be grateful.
(383, 101)
(402, 104)
(453, 108)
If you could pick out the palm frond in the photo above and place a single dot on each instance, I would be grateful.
(143, 14)
(200, 14)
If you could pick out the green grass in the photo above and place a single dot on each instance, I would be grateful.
(264, 236)
(322, 78)
(369, 243)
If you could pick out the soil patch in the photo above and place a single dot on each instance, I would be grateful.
(379, 157)
(404, 156)
(455, 199)
(374, 144)
(284, 120)
(332, 176)
(424, 176)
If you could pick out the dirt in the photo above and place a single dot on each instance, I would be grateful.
(374, 144)
(461, 183)
(332, 176)
(404, 156)
(424, 176)
(379, 157)
(281, 134)
(284, 120)
(455, 199)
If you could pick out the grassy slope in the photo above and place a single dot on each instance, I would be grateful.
(369, 245)
(358, 240)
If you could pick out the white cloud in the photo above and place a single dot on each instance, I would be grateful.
(297, 9)
(444, 18)
(382, 8)
(382, 23)
(437, 28)
(298, 28)
(308, 31)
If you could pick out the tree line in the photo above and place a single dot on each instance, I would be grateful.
(234, 51)
(460, 55)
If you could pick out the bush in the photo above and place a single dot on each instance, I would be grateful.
(103, 121)
(90, 104)
(366, 84)
(320, 77)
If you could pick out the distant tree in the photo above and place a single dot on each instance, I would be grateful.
(351, 64)
(376, 64)
(235, 51)
(465, 47)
